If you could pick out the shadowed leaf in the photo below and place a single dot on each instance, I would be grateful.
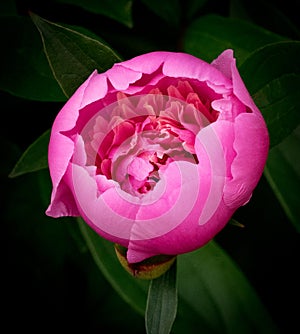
(72, 55)
(34, 158)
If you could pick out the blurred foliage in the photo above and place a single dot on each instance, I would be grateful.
(51, 267)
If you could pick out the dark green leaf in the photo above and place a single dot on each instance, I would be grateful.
(168, 10)
(132, 290)
(25, 71)
(214, 295)
(271, 15)
(34, 158)
(161, 306)
(191, 7)
(211, 285)
(72, 55)
(283, 173)
(238, 11)
(119, 10)
(25, 214)
(58, 275)
(210, 35)
(272, 76)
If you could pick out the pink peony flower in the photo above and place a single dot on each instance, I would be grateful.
(157, 153)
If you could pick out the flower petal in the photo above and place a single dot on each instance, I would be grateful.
(60, 152)
(251, 145)
(100, 210)
(121, 77)
(186, 237)
(226, 63)
(190, 219)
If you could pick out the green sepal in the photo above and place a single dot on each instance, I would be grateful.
(148, 269)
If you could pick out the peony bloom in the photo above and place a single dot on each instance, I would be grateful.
(158, 152)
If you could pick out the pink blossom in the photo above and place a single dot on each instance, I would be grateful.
(157, 153)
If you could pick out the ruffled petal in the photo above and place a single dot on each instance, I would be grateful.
(187, 66)
(121, 77)
(226, 64)
(147, 63)
(176, 65)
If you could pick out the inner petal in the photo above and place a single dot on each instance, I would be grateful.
(140, 168)
(134, 139)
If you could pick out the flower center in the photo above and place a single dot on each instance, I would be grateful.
(141, 135)
(143, 171)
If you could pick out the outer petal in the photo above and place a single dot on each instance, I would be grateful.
(251, 139)
(177, 64)
(121, 77)
(251, 145)
(95, 89)
(99, 211)
(226, 64)
(60, 152)
(186, 237)
(188, 66)
(147, 63)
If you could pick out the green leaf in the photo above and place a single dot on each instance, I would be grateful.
(272, 76)
(192, 7)
(119, 10)
(161, 306)
(214, 288)
(283, 174)
(214, 295)
(72, 55)
(25, 71)
(132, 290)
(34, 158)
(168, 10)
(210, 35)
(271, 15)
